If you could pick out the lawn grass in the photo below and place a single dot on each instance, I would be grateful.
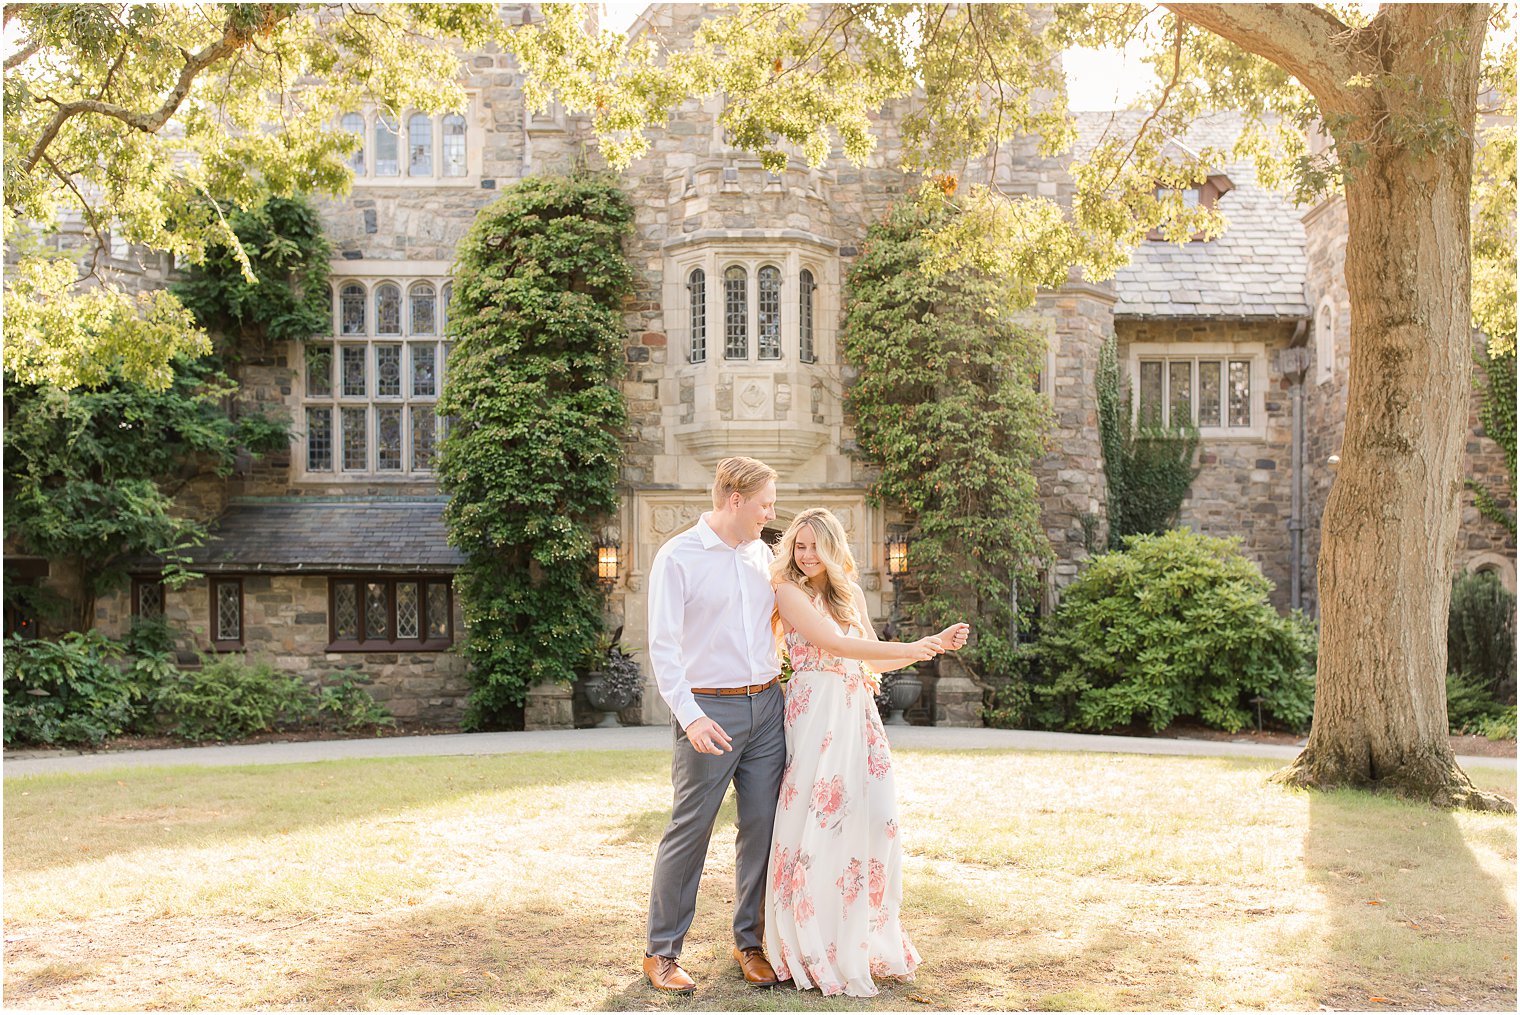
(1032, 881)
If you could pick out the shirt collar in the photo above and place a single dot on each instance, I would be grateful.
(711, 540)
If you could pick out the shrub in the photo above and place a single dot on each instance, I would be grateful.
(1498, 726)
(1175, 625)
(1480, 634)
(230, 697)
(346, 705)
(69, 691)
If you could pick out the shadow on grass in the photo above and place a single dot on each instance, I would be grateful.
(56, 821)
(1414, 919)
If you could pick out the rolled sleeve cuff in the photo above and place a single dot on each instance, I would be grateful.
(689, 712)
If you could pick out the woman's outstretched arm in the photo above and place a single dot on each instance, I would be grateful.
(799, 614)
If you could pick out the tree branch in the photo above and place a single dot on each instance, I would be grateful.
(22, 55)
(1305, 40)
(233, 38)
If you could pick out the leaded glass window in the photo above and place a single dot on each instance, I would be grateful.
(696, 289)
(353, 123)
(346, 611)
(419, 136)
(351, 301)
(319, 439)
(318, 369)
(388, 370)
(387, 146)
(735, 313)
(424, 371)
(454, 145)
(355, 383)
(388, 439)
(377, 613)
(355, 440)
(1179, 391)
(371, 405)
(424, 300)
(376, 610)
(424, 437)
(1151, 395)
(1208, 392)
(1240, 392)
(805, 288)
(438, 609)
(408, 610)
(148, 599)
(227, 610)
(388, 309)
(769, 321)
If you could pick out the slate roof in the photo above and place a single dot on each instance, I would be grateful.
(332, 534)
(1255, 270)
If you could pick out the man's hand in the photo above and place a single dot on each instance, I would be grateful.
(707, 737)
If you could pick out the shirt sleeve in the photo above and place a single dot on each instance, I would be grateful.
(667, 623)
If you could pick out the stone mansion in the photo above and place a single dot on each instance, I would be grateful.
(333, 555)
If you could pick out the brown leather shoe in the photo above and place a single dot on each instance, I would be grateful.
(667, 975)
(755, 967)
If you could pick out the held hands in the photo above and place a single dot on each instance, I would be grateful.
(707, 737)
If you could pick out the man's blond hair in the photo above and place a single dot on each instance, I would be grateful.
(744, 476)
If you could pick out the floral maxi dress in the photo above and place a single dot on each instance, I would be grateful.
(835, 886)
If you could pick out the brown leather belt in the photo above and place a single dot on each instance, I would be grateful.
(750, 689)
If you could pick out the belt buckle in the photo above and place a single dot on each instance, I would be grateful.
(749, 690)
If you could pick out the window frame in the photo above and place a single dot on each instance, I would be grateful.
(442, 128)
(218, 643)
(714, 260)
(368, 345)
(394, 643)
(1252, 353)
(138, 583)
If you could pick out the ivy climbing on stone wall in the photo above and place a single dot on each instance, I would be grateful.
(946, 406)
(531, 457)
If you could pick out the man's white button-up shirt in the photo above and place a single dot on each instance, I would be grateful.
(709, 617)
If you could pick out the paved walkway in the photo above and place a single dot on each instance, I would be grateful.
(624, 739)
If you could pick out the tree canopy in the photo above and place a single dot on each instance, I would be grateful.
(154, 123)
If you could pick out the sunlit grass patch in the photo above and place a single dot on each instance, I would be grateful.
(1058, 882)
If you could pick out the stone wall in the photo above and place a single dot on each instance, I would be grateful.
(1244, 485)
(285, 623)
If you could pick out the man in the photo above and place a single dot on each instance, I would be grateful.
(714, 659)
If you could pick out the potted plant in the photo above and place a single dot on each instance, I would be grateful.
(616, 685)
(899, 691)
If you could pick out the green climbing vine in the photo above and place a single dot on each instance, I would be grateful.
(1149, 468)
(946, 407)
(531, 457)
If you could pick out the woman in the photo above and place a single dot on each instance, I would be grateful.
(835, 885)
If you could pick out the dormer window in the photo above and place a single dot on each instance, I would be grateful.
(1200, 195)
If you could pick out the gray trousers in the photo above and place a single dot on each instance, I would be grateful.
(701, 781)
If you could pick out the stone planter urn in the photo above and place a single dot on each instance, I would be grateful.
(901, 691)
(608, 700)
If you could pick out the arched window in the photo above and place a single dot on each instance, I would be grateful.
(387, 146)
(448, 298)
(1324, 342)
(352, 303)
(805, 287)
(696, 288)
(354, 124)
(419, 138)
(388, 309)
(769, 321)
(453, 145)
(735, 313)
(424, 316)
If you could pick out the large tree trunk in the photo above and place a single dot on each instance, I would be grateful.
(1390, 525)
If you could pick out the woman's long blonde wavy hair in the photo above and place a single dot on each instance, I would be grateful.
(839, 570)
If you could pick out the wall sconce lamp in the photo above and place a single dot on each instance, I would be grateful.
(897, 557)
(607, 562)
